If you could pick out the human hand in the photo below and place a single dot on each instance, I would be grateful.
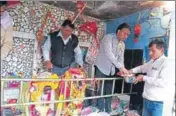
(48, 65)
(139, 78)
(78, 66)
(130, 72)
(123, 72)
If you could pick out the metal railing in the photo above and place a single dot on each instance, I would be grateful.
(22, 81)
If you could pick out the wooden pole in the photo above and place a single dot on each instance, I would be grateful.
(79, 13)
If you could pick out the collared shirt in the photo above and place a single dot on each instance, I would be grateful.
(160, 79)
(47, 46)
(110, 55)
(6, 34)
(6, 20)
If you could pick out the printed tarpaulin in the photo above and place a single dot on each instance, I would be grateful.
(13, 3)
(91, 28)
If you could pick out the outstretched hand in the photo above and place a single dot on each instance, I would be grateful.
(124, 72)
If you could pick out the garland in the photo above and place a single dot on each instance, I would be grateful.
(77, 89)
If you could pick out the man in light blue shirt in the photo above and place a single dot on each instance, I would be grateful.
(61, 49)
(110, 59)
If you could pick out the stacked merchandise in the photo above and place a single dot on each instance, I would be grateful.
(10, 95)
(119, 107)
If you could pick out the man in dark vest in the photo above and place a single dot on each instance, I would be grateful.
(61, 49)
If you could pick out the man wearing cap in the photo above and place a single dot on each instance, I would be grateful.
(110, 60)
(61, 50)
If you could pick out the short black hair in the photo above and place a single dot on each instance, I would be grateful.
(158, 42)
(123, 25)
(69, 23)
(3, 3)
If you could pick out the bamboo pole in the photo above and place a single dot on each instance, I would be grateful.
(79, 13)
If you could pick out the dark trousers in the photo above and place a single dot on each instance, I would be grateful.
(104, 103)
(118, 83)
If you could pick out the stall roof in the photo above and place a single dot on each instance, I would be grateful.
(106, 10)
